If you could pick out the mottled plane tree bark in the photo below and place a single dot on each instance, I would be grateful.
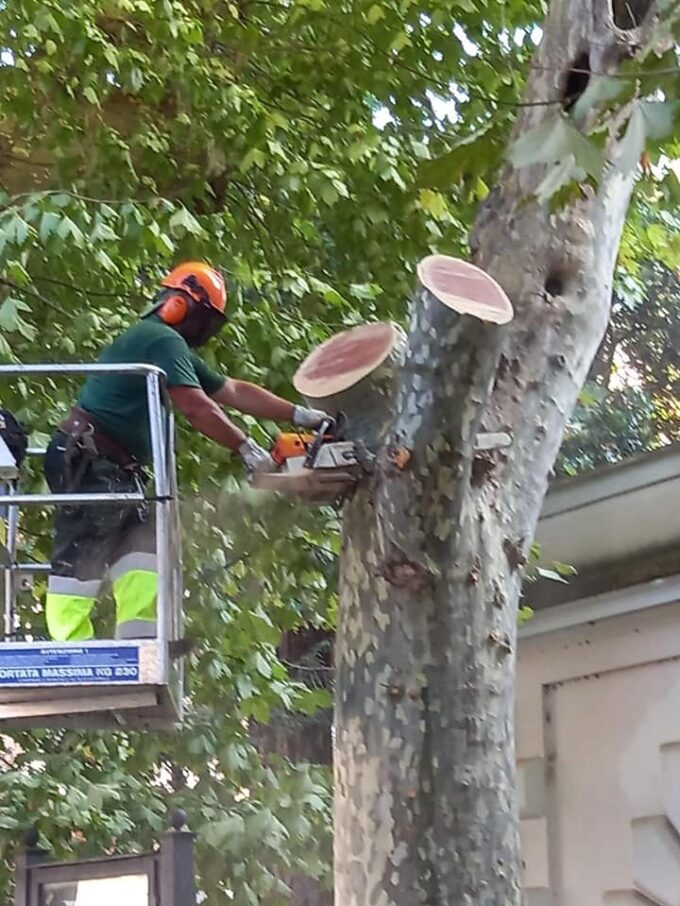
(435, 542)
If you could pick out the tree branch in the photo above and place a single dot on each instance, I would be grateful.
(116, 294)
(35, 295)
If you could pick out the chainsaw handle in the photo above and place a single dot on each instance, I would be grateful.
(314, 448)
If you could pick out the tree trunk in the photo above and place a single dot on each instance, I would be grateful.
(433, 548)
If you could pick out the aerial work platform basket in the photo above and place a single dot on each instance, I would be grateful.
(104, 683)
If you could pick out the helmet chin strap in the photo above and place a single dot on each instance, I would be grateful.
(157, 302)
(151, 308)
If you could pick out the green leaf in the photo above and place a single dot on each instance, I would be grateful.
(254, 158)
(226, 833)
(91, 95)
(136, 78)
(564, 569)
(433, 202)
(9, 822)
(524, 614)
(599, 90)
(15, 229)
(554, 141)
(329, 193)
(263, 666)
(310, 701)
(588, 397)
(6, 350)
(103, 233)
(341, 188)
(477, 153)
(558, 176)
(364, 291)
(67, 229)
(12, 322)
(183, 221)
(17, 273)
(48, 225)
(551, 574)
(659, 117)
(111, 55)
(105, 260)
(245, 687)
(401, 40)
(375, 14)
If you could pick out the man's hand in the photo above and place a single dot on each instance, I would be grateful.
(309, 418)
(255, 458)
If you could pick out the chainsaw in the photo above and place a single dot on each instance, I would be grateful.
(323, 467)
(319, 467)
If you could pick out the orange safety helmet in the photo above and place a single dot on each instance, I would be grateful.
(203, 283)
(198, 308)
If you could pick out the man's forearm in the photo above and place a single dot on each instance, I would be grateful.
(256, 401)
(211, 421)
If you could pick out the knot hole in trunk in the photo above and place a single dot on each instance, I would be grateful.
(630, 14)
(576, 81)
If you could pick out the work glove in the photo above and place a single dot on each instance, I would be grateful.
(254, 457)
(309, 418)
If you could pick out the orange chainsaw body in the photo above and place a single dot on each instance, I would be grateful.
(313, 468)
(290, 445)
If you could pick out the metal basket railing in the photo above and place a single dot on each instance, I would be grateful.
(162, 496)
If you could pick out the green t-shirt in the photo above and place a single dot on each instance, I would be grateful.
(118, 401)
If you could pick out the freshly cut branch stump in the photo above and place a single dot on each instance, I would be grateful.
(359, 373)
(465, 288)
(355, 372)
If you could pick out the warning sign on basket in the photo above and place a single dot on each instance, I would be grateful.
(38, 666)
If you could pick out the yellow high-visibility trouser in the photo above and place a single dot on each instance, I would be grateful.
(70, 601)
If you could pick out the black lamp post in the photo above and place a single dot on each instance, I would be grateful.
(164, 877)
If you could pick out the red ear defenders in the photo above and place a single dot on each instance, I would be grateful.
(197, 321)
(175, 309)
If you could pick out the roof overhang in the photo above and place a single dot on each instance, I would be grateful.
(618, 525)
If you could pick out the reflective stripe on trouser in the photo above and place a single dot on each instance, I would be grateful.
(135, 585)
(68, 607)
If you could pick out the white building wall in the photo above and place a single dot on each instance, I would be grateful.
(598, 748)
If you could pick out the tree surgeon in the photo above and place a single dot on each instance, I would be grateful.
(104, 444)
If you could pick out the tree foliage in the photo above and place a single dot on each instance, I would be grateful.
(314, 150)
(630, 404)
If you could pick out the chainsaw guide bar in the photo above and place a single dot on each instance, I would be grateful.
(324, 468)
(314, 468)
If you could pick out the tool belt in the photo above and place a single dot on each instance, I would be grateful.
(86, 441)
